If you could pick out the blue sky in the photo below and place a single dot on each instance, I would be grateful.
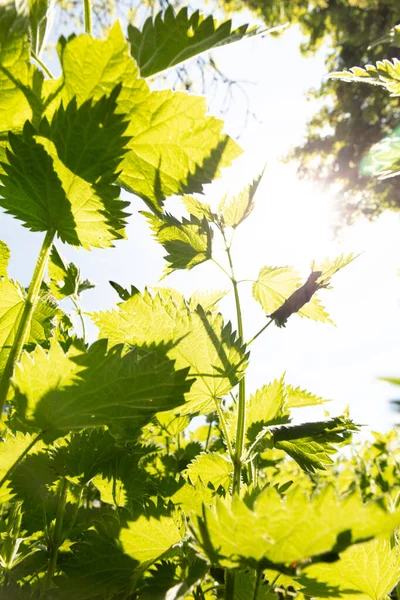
(291, 224)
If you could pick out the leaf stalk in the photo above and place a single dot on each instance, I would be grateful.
(88, 16)
(22, 334)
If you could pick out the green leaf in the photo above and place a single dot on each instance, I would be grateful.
(20, 82)
(383, 159)
(212, 468)
(188, 243)
(198, 209)
(11, 448)
(12, 302)
(146, 539)
(329, 267)
(288, 529)
(199, 341)
(4, 258)
(280, 293)
(385, 73)
(65, 279)
(366, 571)
(312, 444)
(174, 147)
(244, 588)
(57, 393)
(40, 16)
(234, 211)
(208, 300)
(263, 408)
(172, 38)
(65, 182)
(296, 398)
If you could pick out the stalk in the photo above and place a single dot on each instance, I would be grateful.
(57, 537)
(26, 318)
(257, 583)
(88, 16)
(239, 446)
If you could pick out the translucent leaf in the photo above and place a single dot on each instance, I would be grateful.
(366, 571)
(234, 210)
(65, 279)
(329, 267)
(172, 38)
(4, 258)
(20, 82)
(58, 393)
(11, 448)
(212, 468)
(312, 444)
(39, 13)
(55, 181)
(385, 73)
(208, 300)
(274, 285)
(296, 398)
(244, 588)
(111, 490)
(383, 159)
(198, 209)
(171, 424)
(174, 147)
(262, 409)
(288, 529)
(199, 341)
(188, 243)
(146, 539)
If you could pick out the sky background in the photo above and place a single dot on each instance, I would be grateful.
(292, 224)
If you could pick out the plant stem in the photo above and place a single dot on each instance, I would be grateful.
(42, 65)
(88, 16)
(26, 318)
(57, 533)
(229, 585)
(80, 315)
(260, 332)
(239, 446)
(225, 430)
(21, 457)
(257, 583)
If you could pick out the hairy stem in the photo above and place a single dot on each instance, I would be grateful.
(242, 385)
(57, 537)
(257, 583)
(20, 458)
(42, 65)
(224, 429)
(80, 315)
(88, 16)
(22, 334)
(229, 585)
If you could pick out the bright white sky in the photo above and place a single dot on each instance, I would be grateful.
(291, 224)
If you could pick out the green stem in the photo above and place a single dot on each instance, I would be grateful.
(229, 585)
(80, 315)
(239, 447)
(42, 65)
(88, 16)
(225, 430)
(257, 583)
(21, 457)
(57, 537)
(260, 332)
(26, 318)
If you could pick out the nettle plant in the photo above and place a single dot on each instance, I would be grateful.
(106, 492)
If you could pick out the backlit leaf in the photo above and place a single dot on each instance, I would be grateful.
(385, 73)
(234, 210)
(146, 539)
(4, 258)
(210, 468)
(65, 279)
(170, 38)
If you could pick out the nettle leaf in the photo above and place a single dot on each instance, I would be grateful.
(65, 181)
(57, 393)
(197, 340)
(385, 73)
(20, 82)
(383, 159)
(40, 14)
(146, 539)
(245, 583)
(172, 38)
(12, 445)
(288, 529)
(234, 210)
(12, 303)
(296, 398)
(280, 293)
(174, 147)
(188, 243)
(65, 278)
(198, 209)
(366, 571)
(4, 258)
(312, 444)
(263, 408)
(208, 300)
(210, 468)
